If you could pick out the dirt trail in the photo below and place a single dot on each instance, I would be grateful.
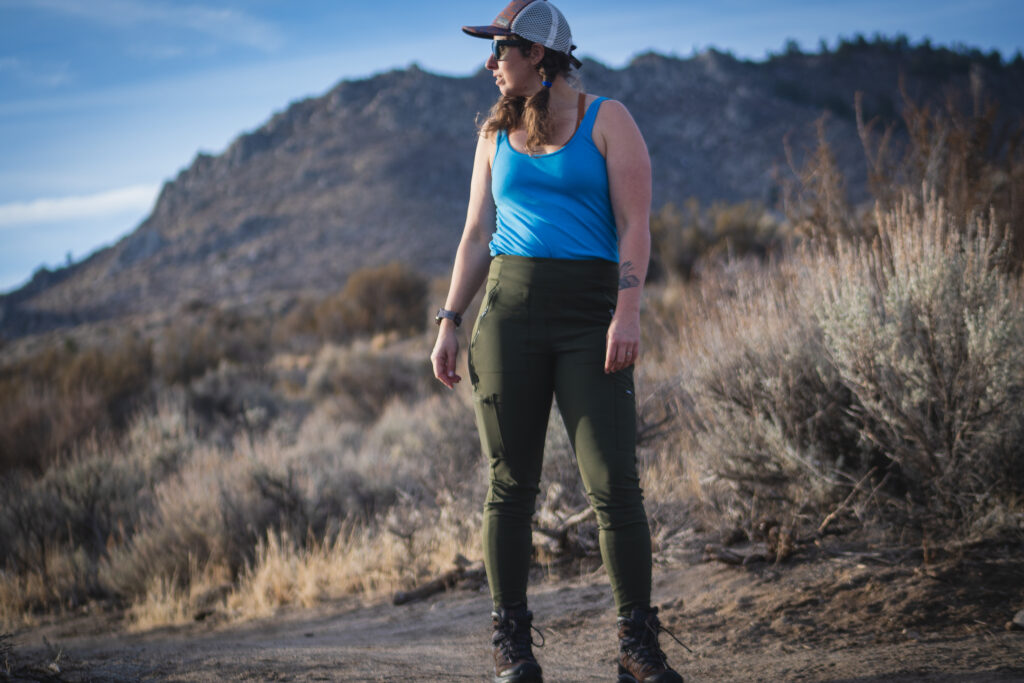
(823, 619)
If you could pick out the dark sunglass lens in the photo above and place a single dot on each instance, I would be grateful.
(500, 48)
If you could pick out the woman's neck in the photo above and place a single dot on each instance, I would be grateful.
(563, 96)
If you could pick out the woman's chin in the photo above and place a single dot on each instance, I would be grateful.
(513, 92)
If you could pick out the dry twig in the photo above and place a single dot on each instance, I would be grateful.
(463, 570)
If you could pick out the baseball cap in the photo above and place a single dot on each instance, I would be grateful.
(535, 20)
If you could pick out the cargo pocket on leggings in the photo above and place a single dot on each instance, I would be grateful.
(489, 426)
(489, 298)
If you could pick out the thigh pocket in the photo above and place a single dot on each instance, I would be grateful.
(488, 423)
(489, 300)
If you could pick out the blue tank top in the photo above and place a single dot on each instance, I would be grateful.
(554, 205)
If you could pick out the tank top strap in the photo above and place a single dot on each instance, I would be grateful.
(500, 140)
(587, 127)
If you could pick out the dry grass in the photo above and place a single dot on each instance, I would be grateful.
(382, 508)
(764, 390)
(896, 365)
(880, 364)
(357, 561)
(53, 399)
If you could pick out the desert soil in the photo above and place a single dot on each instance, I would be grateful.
(854, 615)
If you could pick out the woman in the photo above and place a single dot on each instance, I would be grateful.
(557, 224)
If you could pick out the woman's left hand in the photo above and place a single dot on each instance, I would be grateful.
(623, 343)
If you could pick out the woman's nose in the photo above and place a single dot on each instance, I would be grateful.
(491, 63)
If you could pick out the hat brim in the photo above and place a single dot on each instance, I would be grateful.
(487, 32)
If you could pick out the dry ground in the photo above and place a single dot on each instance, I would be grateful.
(854, 615)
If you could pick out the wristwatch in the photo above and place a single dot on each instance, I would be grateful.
(443, 313)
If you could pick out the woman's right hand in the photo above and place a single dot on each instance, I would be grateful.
(446, 350)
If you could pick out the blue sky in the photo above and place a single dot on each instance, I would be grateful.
(101, 101)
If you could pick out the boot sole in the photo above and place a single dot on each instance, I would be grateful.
(629, 678)
(528, 678)
(531, 675)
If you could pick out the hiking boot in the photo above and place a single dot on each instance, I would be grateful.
(513, 656)
(640, 658)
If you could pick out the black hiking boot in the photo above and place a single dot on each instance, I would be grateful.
(513, 657)
(640, 658)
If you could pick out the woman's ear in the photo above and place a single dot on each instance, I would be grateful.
(536, 53)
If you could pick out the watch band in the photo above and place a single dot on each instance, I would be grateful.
(443, 313)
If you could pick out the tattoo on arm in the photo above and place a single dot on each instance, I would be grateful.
(626, 277)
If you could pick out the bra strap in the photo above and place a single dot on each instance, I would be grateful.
(581, 110)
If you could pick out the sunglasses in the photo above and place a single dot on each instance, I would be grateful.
(500, 48)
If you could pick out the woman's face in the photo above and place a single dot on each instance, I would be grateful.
(515, 74)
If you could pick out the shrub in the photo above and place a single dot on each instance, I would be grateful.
(201, 341)
(683, 239)
(57, 529)
(894, 368)
(927, 331)
(361, 380)
(966, 154)
(51, 400)
(390, 297)
(385, 299)
(298, 328)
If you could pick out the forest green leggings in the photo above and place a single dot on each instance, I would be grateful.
(541, 332)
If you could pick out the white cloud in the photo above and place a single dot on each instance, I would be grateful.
(112, 202)
(224, 24)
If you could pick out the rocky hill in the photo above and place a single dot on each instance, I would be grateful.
(377, 170)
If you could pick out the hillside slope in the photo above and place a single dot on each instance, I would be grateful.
(378, 170)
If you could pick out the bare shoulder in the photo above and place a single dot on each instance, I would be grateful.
(485, 146)
(613, 123)
(485, 139)
(614, 114)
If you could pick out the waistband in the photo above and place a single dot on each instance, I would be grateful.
(566, 274)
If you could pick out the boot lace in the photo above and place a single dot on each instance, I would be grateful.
(646, 649)
(515, 642)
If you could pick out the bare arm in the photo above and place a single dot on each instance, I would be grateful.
(629, 181)
(472, 260)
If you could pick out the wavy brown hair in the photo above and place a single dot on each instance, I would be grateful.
(531, 113)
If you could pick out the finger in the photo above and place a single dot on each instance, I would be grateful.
(448, 373)
(631, 353)
(617, 356)
(440, 376)
(449, 380)
(440, 366)
(449, 369)
(609, 357)
(623, 353)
